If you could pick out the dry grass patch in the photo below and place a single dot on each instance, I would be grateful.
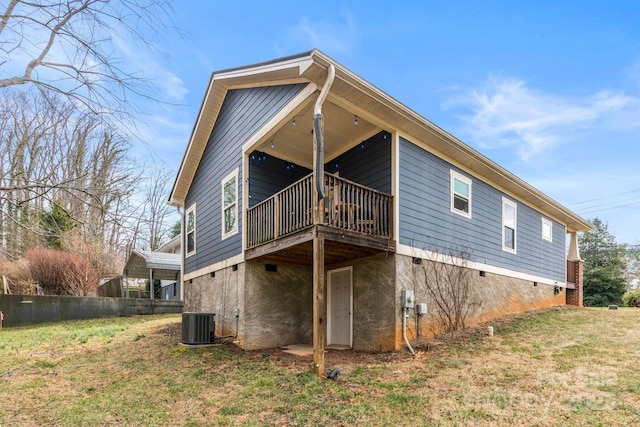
(557, 367)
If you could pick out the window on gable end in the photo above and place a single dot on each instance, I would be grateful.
(547, 229)
(460, 194)
(230, 204)
(190, 230)
(509, 225)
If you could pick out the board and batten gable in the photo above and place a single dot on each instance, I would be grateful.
(243, 112)
(268, 175)
(368, 163)
(427, 222)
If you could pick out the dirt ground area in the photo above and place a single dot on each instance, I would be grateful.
(347, 360)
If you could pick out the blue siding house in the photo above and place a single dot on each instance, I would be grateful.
(312, 201)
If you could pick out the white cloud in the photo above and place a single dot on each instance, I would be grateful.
(163, 135)
(633, 73)
(171, 85)
(146, 61)
(204, 60)
(334, 36)
(505, 112)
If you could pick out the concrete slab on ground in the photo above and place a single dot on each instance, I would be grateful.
(307, 349)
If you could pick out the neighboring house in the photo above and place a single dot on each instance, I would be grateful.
(162, 266)
(171, 247)
(398, 190)
(171, 289)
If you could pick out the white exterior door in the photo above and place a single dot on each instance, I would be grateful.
(339, 326)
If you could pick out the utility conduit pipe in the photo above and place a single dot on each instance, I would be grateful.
(404, 329)
(317, 128)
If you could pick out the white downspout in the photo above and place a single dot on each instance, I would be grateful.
(182, 218)
(317, 128)
(325, 90)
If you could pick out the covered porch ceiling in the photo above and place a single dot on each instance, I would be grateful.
(293, 140)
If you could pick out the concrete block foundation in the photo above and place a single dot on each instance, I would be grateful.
(275, 307)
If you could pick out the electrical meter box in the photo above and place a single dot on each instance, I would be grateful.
(421, 308)
(406, 298)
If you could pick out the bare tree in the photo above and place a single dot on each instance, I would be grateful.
(23, 178)
(448, 285)
(55, 152)
(158, 218)
(70, 48)
(64, 85)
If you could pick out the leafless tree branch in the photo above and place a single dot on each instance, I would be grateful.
(448, 285)
(75, 45)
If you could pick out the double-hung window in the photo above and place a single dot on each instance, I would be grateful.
(230, 204)
(547, 229)
(460, 194)
(509, 225)
(190, 230)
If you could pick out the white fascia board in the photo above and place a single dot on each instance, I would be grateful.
(301, 64)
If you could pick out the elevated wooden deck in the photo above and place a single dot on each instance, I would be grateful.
(357, 222)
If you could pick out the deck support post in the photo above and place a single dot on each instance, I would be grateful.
(319, 305)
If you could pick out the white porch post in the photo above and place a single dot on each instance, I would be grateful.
(574, 252)
(151, 283)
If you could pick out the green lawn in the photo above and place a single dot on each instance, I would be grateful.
(558, 367)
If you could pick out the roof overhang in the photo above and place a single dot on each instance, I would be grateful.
(376, 110)
(286, 70)
(143, 264)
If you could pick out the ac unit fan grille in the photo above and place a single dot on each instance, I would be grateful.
(198, 328)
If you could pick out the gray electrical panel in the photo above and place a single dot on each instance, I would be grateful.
(406, 298)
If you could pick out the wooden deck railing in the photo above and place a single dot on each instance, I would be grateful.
(347, 206)
(352, 206)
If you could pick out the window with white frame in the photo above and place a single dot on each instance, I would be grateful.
(460, 194)
(190, 230)
(230, 204)
(547, 229)
(509, 225)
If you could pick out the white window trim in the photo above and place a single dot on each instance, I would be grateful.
(514, 205)
(466, 180)
(548, 222)
(192, 208)
(233, 174)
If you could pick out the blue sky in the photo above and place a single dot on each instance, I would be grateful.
(549, 90)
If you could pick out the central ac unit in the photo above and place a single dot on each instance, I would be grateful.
(198, 328)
